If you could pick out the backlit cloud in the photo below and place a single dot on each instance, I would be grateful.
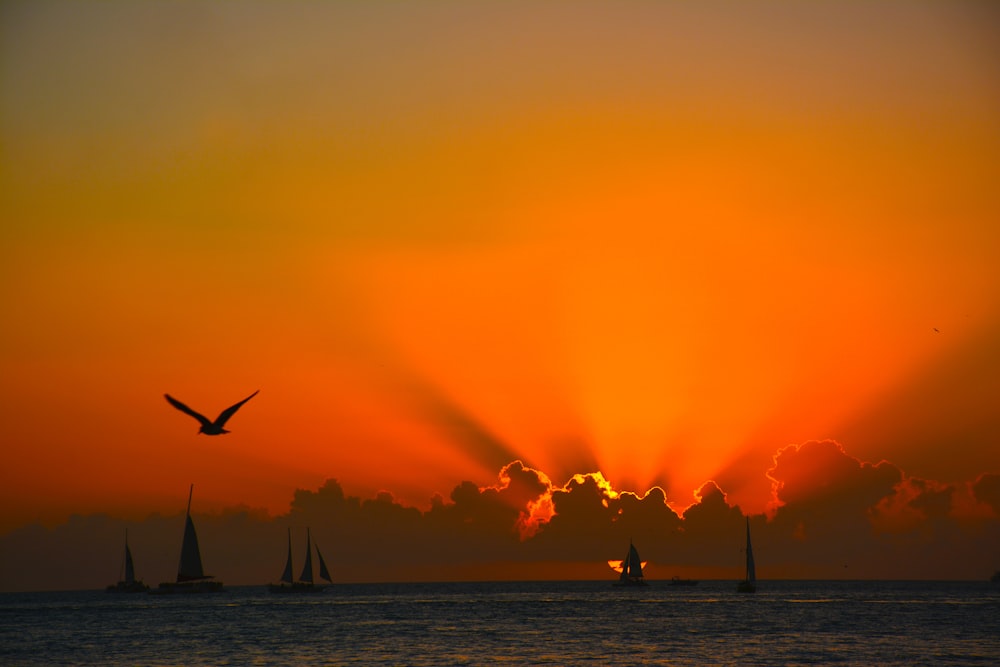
(987, 490)
(822, 476)
(833, 516)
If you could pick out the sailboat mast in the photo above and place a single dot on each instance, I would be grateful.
(121, 570)
(185, 541)
(129, 565)
(286, 576)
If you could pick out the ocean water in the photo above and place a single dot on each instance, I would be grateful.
(514, 623)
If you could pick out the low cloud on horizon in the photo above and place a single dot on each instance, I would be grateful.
(831, 516)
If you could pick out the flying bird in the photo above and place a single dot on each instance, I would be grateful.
(209, 427)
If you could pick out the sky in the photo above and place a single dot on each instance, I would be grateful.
(555, 268)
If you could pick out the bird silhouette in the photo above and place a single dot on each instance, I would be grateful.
(209, 427)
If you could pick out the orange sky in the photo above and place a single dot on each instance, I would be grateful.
(656, 240)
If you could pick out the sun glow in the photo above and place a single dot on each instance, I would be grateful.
(600, 246)
(618, 565)
(668, 354)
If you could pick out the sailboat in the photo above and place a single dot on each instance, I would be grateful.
(191, 577)
(749, 584)
(305, 584)
(679, 581)
(128, 583)
(631, 568)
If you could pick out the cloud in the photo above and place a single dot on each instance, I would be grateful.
(530, 491)
(713, 528)
(820, 475)
(833, 510)
(986, 489)
(513, 509)
(833, 516)
(947, 407)
(912, 502)
(824, 501)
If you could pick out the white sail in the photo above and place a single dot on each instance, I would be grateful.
(307, 569)
(129, 565)
(190, 568)
(323, 572)
(286, 576)
(634, 564)
(749, 583)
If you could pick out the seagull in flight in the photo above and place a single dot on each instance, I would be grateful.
(209, 427)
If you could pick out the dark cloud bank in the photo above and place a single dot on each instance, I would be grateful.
(832, 516)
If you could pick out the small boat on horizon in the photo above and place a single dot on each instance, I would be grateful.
(749, 583)
(678, 581)
(305, 583)
(191, 577)
(630, 568)
(127, 583)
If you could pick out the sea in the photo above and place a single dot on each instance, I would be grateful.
(514, 623)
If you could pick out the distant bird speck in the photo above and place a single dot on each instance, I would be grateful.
(936, 330)
(209, 427)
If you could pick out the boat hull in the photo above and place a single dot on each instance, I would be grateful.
(746, 587)
(127, 587)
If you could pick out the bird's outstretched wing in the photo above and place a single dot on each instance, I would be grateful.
(231, 410)
(183, 408)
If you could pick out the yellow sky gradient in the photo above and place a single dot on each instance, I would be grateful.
(657, 240)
